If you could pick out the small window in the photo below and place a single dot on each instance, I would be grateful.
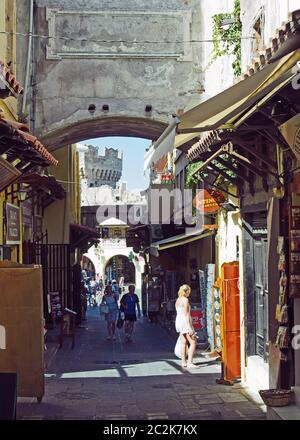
(258, 34)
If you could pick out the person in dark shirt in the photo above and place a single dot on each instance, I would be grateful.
(129, 304)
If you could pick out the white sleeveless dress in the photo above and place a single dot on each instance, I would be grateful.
(182, 322)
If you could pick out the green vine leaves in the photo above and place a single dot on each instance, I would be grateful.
(227, 39)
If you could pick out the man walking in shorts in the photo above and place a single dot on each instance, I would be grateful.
(129, 304)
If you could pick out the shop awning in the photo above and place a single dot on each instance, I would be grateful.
(81, 236)
(180, 240)
(291, 132)
(224, 109)
(20, 150)
(214, 138)
(47, 186)
(163, 145)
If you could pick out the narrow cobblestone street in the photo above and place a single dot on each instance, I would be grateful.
(143, 379)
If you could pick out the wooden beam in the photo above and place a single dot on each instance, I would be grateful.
(222, 173)
(254, 169)
(209, 128)
(229, 165)
(218, 187)
(259, 156)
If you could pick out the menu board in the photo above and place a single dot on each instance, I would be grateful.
(294, 285)
(13, 227)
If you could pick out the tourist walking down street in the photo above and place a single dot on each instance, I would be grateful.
(129, 304)
(110, 299)
(115, 287)
(184, 326)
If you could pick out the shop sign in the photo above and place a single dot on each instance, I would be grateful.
(27, 213)
(13, 230)
(208, 200)
(197, 319)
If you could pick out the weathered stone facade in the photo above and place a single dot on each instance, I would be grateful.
(137, 62)
(260, 19)
(102, 170)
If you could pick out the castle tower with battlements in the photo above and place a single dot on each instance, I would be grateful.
(102, 170)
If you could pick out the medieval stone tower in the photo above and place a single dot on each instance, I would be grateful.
(102, 170)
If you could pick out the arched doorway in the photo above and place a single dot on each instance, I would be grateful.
(88, 267)
(120, 266)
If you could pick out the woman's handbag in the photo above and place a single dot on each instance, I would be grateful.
(104, 309)
(120, 320)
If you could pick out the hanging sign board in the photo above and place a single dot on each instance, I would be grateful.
(13, 230)
(208, 200)
(290, 130)
(8, 174)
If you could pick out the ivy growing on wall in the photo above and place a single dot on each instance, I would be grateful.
(227, 31)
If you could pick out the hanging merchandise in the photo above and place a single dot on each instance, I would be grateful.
(283, 289)
(210, 278)
(280, 245)
(282, 263)
(282, 340)
(283, 318)
(278, 312)
(217, 316)
(294, 288)
(202, 288)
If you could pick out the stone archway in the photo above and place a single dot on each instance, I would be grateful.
(101, 256)
(93, 258)
(67, 132)
(124, 265)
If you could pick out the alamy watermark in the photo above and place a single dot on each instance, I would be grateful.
(163, 206)
(296, 79)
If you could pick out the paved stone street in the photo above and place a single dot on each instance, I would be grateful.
(143, 379)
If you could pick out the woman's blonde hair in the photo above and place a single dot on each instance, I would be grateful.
(184, 290)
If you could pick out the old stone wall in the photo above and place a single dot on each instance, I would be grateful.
(137, 62)
(267, 16)
(102, 170)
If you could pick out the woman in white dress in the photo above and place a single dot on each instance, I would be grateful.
(185, 327)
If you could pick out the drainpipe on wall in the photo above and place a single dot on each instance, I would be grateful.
(28, 57)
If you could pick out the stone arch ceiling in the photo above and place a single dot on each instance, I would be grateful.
(102, 127)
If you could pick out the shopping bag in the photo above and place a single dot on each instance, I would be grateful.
(178, 348)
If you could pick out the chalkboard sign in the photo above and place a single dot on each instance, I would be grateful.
(54, 306)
